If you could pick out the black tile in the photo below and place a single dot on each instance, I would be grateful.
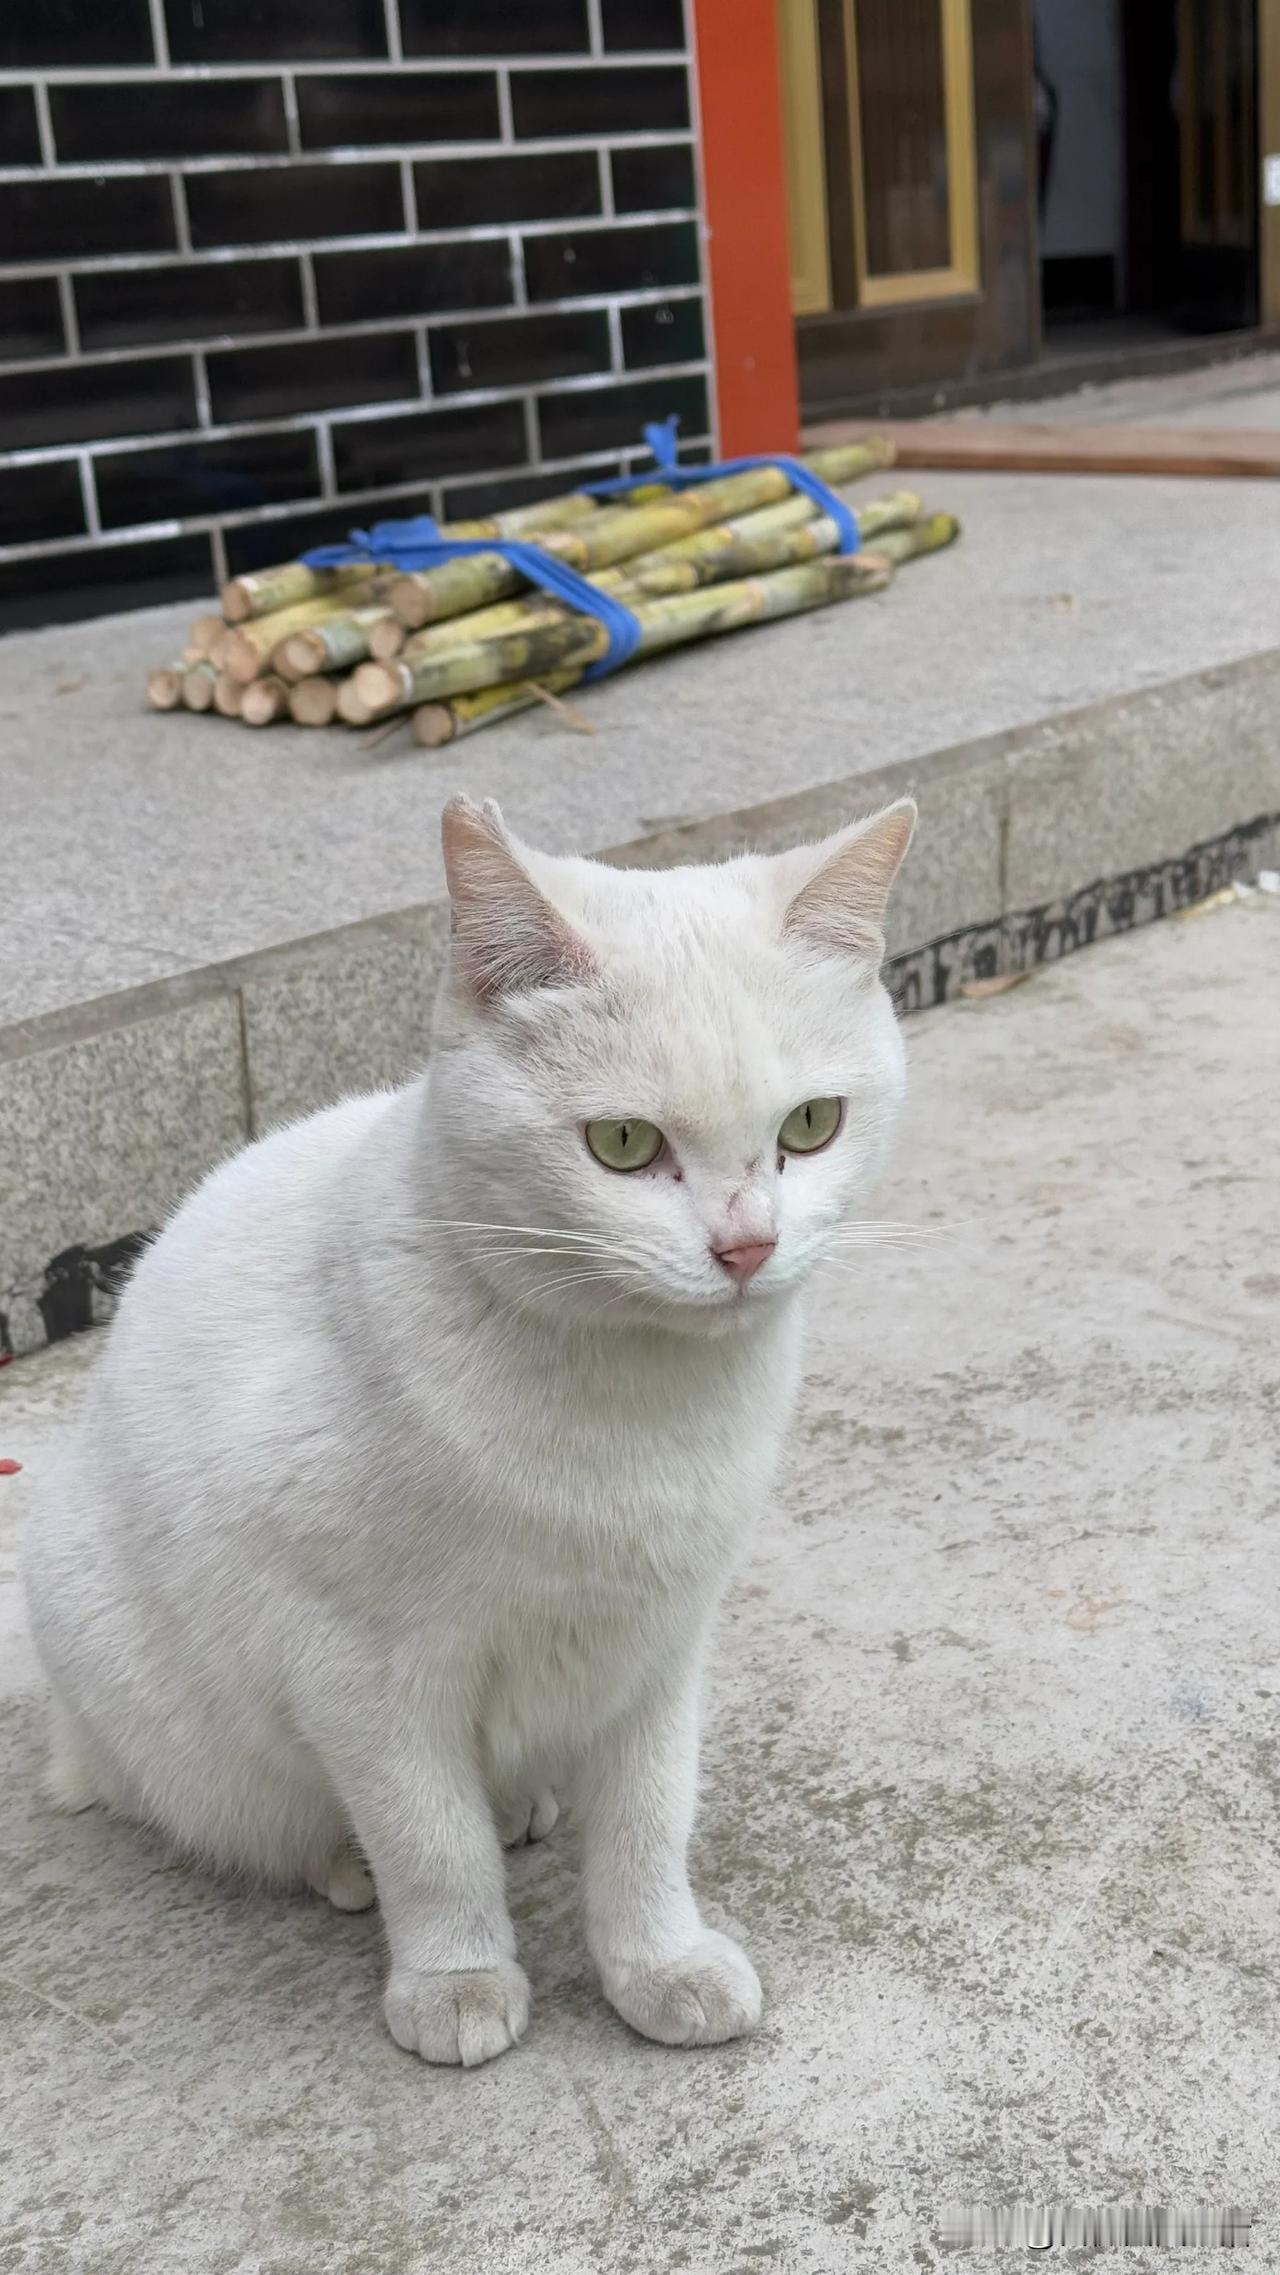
(520, 353)
(280, 202)
(372, 452)
(473, 499)
(63, 34)
(627, 99)
(40, 502)
(642, 23)
(187, 478)
(30, 318)
(55, 221)
(19, 132)
(261, 544)
(645, 180)
(120, 308)
(87, 402)
(636, 259)
(288, 31)
(172, 118)
(421, 280)
(466, 192)
(664, 331)
(599, 419)
(405, 106)
(493, 27)
(61, 588)
(312, 375)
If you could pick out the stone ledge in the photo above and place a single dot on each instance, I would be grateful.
(1033, 843)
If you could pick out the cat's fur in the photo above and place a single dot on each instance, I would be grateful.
(422, 1445)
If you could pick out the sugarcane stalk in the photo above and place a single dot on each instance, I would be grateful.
(264, 701)
(387, 637)
(251, 647)
(313, 702)
(928, 535)
(619, 533)
(198, 685)
(737, 549)
(228, 694)
(164, 686)
(270, 590)
(435, 724)
(524, 613)
(203, 633)
(353, 710)
(578, 640)
(336, 644)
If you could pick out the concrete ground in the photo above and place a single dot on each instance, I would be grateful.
(138, 846)
(991, 1780)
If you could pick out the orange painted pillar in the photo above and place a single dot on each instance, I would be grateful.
(744, 191)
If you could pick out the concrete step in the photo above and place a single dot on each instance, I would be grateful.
(1033, 843)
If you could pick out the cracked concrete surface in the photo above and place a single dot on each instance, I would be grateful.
(991, 1780)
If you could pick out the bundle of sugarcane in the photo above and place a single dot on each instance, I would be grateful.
(471, 641)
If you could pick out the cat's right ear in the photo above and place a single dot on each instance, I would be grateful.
(506, 934)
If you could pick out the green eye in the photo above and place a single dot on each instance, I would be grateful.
(628, 1144)
(809, 1127)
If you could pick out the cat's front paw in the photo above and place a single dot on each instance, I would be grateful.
(465, 2018)
(707, 1995)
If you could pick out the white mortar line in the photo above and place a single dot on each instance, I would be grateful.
(89, 495)
(488, 232)
(342, 67)
(44, 124)
(160, 35)
(615, 337)
(344, 154)
(181, 218)
(70, 322)
(293, 131)
(506, 119)
(204, 406)
(146, 351)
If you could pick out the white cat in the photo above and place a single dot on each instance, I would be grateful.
(429, 1429)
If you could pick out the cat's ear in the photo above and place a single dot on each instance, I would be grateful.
(506, 934)
(836, 892)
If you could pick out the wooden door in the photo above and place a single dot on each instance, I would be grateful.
(879, 127)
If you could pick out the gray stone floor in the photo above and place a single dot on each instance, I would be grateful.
(991, 1783)
(135, 847)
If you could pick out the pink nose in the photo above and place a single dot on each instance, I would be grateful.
(745, 1259)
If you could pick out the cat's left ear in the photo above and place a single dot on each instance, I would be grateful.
(836, 892)
(507, 936)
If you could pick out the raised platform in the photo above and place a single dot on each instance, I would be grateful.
(208, 929)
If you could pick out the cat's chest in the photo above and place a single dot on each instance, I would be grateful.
(655, 1456)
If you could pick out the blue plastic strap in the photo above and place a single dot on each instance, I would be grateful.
(419, 544)
(662, 439)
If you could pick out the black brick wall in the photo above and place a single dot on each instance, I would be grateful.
(272, 267)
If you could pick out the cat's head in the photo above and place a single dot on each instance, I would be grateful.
(657, 1093)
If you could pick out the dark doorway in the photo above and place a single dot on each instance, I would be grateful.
(1146, 130)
